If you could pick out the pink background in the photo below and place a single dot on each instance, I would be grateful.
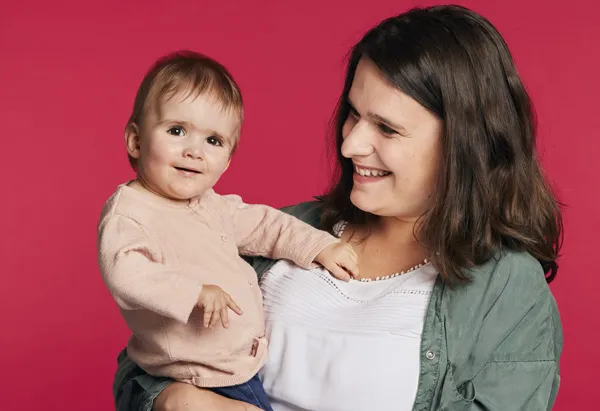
(68, 74)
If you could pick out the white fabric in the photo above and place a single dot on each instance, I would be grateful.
(336, 346)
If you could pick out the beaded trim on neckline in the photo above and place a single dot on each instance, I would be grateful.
(338, 230)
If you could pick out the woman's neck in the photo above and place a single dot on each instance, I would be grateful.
(396, 231)
(385, 246)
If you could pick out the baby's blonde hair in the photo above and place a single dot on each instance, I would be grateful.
(186, 72)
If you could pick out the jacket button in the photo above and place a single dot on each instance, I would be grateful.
(430, 355)
(224, 238)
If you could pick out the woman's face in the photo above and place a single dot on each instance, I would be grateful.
(394, 143)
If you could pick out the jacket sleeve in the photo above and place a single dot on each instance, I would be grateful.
(261, 230)
(134, 271)
(506, 383)
(517, 347)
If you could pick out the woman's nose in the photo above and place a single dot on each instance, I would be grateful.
(358, 141)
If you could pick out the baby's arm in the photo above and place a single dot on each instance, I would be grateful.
(265, 231)
(133, 268)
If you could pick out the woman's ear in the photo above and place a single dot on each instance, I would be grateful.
(132, 140)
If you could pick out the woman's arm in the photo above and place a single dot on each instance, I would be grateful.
(505, 340)
(523, 377)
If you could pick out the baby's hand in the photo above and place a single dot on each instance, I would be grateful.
(340, 260)
(215, 303)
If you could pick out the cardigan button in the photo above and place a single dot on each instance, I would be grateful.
(430, 355)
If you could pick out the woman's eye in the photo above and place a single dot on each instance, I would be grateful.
(386, 130)
(214, 141)
(176, 131)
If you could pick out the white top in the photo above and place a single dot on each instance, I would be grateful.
(337, 346)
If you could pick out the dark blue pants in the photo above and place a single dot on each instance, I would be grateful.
(251, 392)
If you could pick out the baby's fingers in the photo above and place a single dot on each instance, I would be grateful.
(216, 316)
(339, 273)
(234, 307)
(208, 314)
(224, 317)
(350, 265)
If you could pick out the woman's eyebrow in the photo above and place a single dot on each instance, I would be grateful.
(378, 119)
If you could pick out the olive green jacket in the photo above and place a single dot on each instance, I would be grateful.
(492, 344)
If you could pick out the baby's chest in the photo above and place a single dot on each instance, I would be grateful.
(199, 241)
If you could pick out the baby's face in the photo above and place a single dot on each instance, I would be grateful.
(185, 145)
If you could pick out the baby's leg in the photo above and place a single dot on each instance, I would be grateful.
(251, 392)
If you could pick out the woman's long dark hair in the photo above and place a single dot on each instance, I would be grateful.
(491, 192)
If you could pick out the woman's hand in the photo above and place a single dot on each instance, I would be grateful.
(179, 396)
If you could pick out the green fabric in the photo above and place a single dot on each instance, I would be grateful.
(492, 344)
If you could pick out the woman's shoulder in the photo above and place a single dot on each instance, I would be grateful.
(505, 294)
(501, 292)
(510, 272)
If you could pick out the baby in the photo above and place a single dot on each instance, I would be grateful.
(169, 246)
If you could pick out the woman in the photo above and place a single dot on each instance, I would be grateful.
(442, 197)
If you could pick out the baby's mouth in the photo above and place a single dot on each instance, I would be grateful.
(188, 170)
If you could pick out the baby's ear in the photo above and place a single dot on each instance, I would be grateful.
(132, 140)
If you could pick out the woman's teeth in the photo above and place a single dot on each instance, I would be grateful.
(368, 172)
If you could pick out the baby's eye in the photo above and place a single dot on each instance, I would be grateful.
(176, 131)
(212, 140)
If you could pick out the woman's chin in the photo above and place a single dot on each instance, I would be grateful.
(363, 201)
